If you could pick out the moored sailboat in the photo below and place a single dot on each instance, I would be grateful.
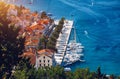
(73, 51)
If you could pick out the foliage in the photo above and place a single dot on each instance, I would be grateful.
(11, 47)
(43, 42)
(58, 72)
(43, 15)
(3, 11)
(50, 42)
(54, 36)
(22, 70)
(12, 66)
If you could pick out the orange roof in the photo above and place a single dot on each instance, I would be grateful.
(32, 40)
(46, 52)
(34, 27)
(30, 55)
(34, 14)
(27, 43)
(35, 41)
(33, 60)
(28, 29)
(43, 21)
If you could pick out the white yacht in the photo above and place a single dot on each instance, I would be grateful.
(73, 52)
(67, 69)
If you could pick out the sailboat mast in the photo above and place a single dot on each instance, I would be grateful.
(74, 36)
(74, 33)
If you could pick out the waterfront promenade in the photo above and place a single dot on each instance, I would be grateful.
(62, 41)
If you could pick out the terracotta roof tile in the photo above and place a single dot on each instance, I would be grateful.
(43, 21)
(39, 27)
(46, 52)
(30, 55)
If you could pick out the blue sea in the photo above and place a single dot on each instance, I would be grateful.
(97, 24)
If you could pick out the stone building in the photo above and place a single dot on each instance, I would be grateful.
(45, 58)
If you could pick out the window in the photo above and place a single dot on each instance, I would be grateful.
(44, 57)
(40, 64)
(44, 64)
(44, 61)
(48, 61)
(39, 60)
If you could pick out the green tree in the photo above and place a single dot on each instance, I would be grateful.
(11, 47)
(118, 77)
(55, 34)
(21, 74)
(51, 44)
(43, 42)
(69, 75)
(61, 21)
(22, 70)
(78, 74)
(43, 15)
(98, 73)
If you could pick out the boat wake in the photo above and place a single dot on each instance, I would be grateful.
(86, 34)
(86, 7)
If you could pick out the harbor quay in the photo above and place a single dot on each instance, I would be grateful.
(62, 41)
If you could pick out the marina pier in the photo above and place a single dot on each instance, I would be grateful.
(62, 41)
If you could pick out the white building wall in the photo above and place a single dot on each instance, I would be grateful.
(45, 61)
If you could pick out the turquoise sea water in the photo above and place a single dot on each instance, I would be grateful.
(101, 20)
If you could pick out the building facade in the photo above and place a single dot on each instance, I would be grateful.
(45, 58)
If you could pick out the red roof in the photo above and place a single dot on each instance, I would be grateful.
(46, 52)
(30, 55)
